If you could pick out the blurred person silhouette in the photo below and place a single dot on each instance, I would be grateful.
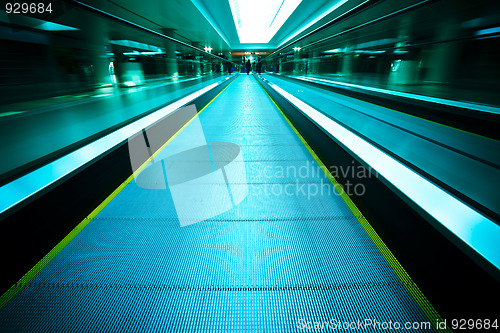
(248, 66)
(258, 67)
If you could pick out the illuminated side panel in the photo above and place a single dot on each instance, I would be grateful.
(473, 228)
(28, 185)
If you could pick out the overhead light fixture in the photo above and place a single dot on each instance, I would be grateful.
(135, 45)
(208, 49)
(489, 31)
(143, 53)
(296, 49)
(51, 26)
(257, 21)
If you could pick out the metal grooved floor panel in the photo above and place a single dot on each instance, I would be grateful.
(284, 248)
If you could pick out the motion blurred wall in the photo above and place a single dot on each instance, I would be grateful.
(448, 48)
(70, 51)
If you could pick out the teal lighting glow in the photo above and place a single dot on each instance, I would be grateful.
(31, 22)
(310, 23)
(133, 53)
(337, 50)
(257, 21)
(51, 26)
(136, 45)
(489, 31)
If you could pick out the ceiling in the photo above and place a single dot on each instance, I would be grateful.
(182, 16)
(218, 13)
(210, 22)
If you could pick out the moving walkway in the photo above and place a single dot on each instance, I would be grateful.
(269, 242)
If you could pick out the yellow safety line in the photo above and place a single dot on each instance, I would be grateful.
(414, 291)
(9, 294)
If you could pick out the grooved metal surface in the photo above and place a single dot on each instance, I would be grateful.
(270, 261)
